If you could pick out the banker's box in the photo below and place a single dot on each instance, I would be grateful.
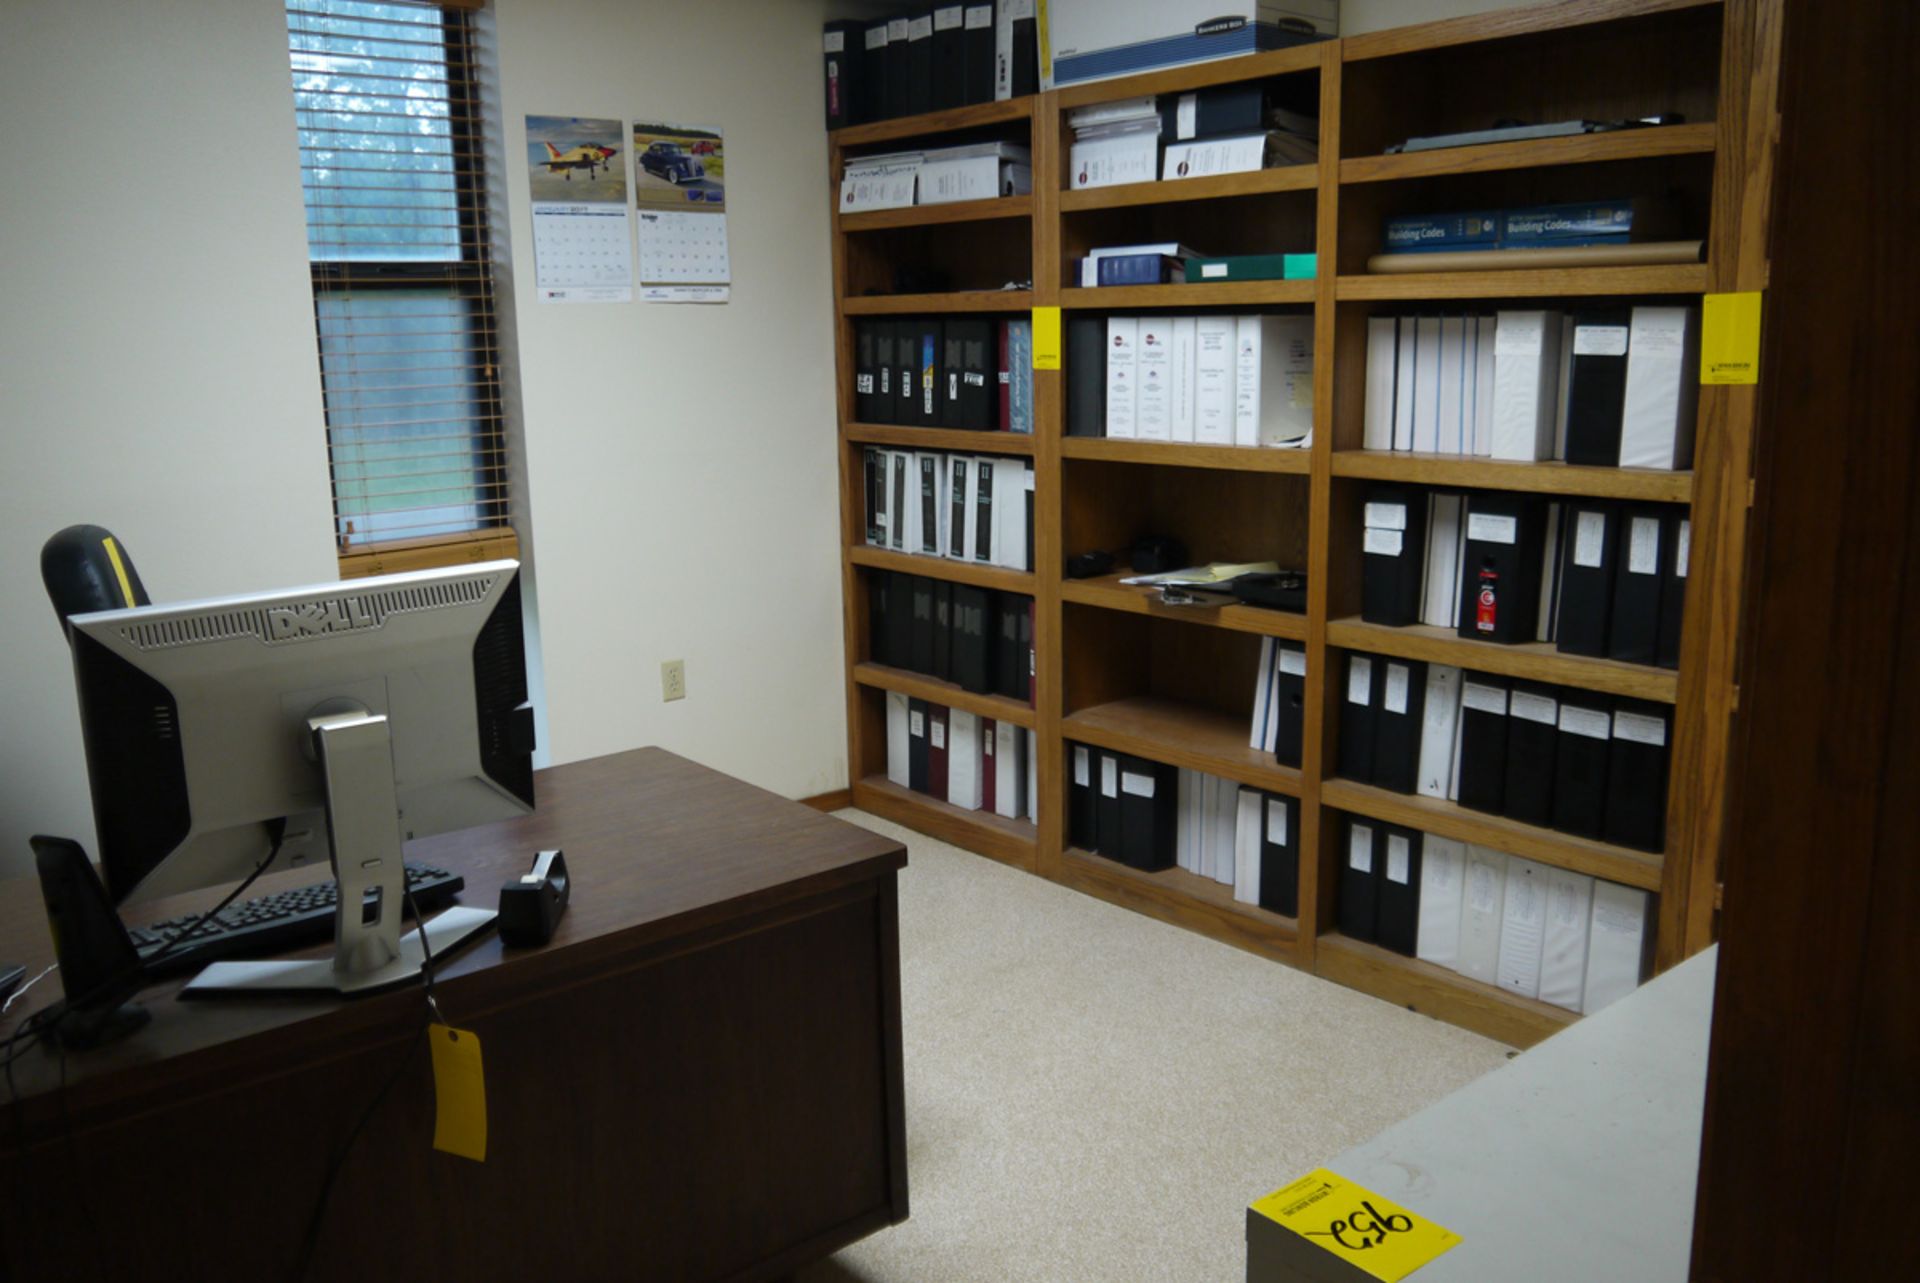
(1097, 39)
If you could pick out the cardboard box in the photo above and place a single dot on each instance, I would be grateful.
(1098, 39)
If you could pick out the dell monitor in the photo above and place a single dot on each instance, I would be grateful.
(361, 713)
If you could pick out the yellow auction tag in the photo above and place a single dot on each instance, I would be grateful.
(1356, 1225)
(1730, 338)
(1046, 338)
(459, 1093)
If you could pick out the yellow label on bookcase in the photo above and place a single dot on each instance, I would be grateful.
(1730, 338)
(1356, 1225)
(1046, 338)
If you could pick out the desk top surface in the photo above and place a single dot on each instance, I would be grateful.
(663, 854)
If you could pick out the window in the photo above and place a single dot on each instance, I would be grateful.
(392, 166)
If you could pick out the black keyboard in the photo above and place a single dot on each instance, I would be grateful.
(270, 924)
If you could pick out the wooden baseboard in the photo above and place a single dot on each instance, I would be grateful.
(837, 800)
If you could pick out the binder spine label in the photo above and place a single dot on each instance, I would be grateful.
(1277, 821)
(1590, 722)
(1399, 859)
(1536, 708)
(1082, 773)
(1360, 849)
(979, 17)
(1683, 546)
(1383, 543)
(1485, 527)
(1600, 340)
(1643, 546)
(1387, 516)
(1589, 539)
(1359, 680)
(1640, 728)
(1395, 698)
(1136, 784)
(1293, 662)
(1485, 699)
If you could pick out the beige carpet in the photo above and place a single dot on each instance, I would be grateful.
(1093, 1095)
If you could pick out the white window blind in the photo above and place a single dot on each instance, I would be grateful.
(391, 160)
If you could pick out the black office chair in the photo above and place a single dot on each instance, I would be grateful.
(84, 569)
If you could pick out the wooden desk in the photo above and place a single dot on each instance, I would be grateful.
(700, 1078)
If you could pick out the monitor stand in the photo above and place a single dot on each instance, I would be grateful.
(363, 830)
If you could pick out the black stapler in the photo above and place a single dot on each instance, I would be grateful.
(530, 909)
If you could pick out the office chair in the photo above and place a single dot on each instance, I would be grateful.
(85, 568)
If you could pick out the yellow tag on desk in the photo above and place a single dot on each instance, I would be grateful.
(459, 1093)
(1356, 1225)
(1046, 338)
(1730, 338)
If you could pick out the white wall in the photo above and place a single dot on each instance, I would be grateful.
(158, 377)
(684, 496)
(157, 370)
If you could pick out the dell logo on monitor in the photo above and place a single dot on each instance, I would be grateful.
(312, 619)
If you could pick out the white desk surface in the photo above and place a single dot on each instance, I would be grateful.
(1575, 1162)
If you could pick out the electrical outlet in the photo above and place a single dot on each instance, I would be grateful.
(673, 679)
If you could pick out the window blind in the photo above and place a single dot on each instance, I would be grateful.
(392, 167)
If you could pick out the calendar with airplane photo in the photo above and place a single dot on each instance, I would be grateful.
(577, 176)
(680, 196)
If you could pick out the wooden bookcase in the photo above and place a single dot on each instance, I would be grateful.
(1114, 667)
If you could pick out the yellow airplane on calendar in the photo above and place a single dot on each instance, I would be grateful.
(587, 156)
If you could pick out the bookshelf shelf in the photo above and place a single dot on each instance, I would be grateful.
(1220, 295)
(1108, 593)
(1537, 661)
(959, 572)
(1433, 815)
(1186, 900)
(1181, 734)
(1496, 474)
(1009, 841)
(935, 304)
(940, 439)
(964, 211)
(1286, 178)
(1438, 992)
(920, 686)
(935, 122)
(1114, 667)
(1525, 282)
(1534, 153)
(1227, 458)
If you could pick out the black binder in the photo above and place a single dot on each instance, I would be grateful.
(1358, 908)
(871, 97)
(1637, 767)
(879, 641)
(1394, 555)
(1279, 888)
(972, 650)
(982, 550)
(899, 495)
(1291, 700)
(843, 56)
(1483, 742)
(1009, 666)
(958, 466)
(1580, 764)
(917, 728)
(1399, 714)
(1086, 376)
(927, 466)
(942, 630)
(1500, 571)
(920, 594)
(1533, 736)
(1082, 788)
(879, 406)
(898, 73)
(1675, 544)
(871, 475)
(919, 97)
(949, 57)
(1597, 386)
(1634, 632)
(1024, 656)
(929, 378)
(969, 375)
(1397, 915)
(976, 41)
(1106, 804)
(899, 623)
(906, 372)
(1148, 805)
(1589, 552)
(1358, 711)
(1026, 54)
